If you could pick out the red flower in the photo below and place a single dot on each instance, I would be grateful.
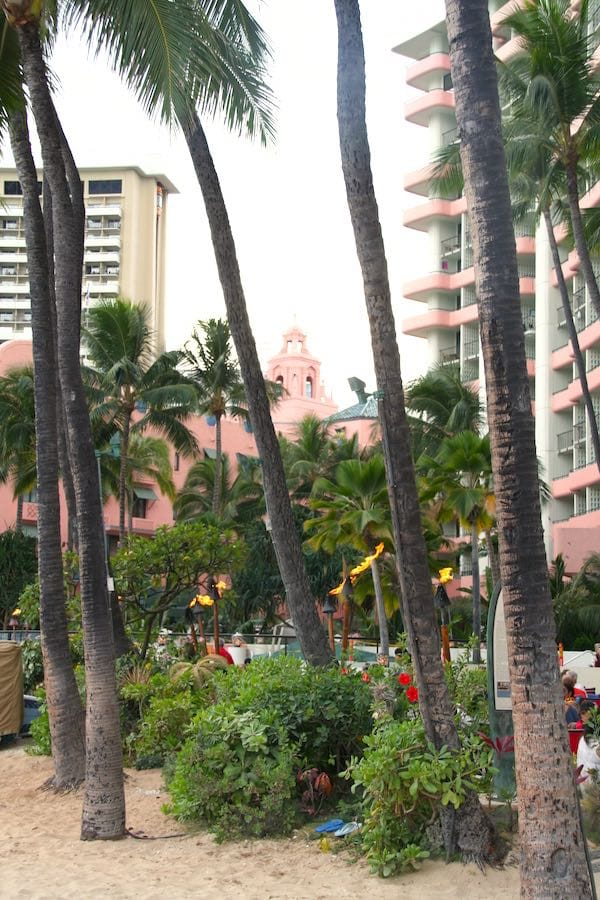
(365, 676)
(344, 671)
(404, 679)
(412, 694)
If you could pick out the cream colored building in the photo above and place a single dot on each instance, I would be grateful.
(124, 245)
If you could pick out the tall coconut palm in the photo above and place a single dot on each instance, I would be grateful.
(244, 498)
(355, 511)
(124, 378)
(554, 83)
(65, 712)
(460, 476)
(552, 848)
(441, 404)
(473, 833)
(209, 362)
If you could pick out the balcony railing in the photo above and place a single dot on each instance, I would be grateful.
(449, 355)
(450, 245)
(469, 296)
(449, 137)
(471, 349)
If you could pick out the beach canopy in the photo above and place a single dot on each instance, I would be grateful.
(11, 688)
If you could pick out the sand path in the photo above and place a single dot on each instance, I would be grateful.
(43, 858)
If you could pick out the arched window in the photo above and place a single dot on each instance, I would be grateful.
(279, 379)
(308, 387)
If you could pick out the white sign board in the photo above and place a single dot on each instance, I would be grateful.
(502, 698)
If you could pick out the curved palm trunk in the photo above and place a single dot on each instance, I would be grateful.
(579, 236)
(472, 832)
(64, 706)
(552, 846)
(104, 801)
(574, 338)
(19, 513)
(286, 542)
(217, 486)
(476, 593)
(384, 638)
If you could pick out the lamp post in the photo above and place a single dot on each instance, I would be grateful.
(441, 601)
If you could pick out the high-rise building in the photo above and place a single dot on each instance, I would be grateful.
(124, 245)
(449, 321)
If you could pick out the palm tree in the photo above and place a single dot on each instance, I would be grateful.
(130, 390)
(65, 712)
(419, 616)
(210, 364)
(355, 511)
(547, 796)
(460, 477)
(441, 404)
(244, 493)
(147, 458)
(554, 85)
(17, 434)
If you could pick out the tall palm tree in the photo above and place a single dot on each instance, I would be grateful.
(355, 511)
(472, 827)
(65, 712)
(547, 797)
(131, 391)
(210, 363)
(460, 476)
(307, 455)
(441, 404)
(245, 498)
(554, 84)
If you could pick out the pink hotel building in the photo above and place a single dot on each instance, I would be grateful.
(449, 323)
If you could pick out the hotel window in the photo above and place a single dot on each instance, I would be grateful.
(106, 186)
(308, 387)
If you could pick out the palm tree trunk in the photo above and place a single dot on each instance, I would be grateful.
(65, 711)
(104, 801)
(476, 593)
(384, 638)
(216, 499)
(288, 548)
(64, 465)
(552, 847)
(19, 513)
(123, 478)
(574, 338)
(472, 832)
(579, 236)
(493, 558)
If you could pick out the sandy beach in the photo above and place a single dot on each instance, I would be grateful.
(43, 858)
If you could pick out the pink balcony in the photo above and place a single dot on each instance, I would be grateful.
(572, 394)
(525, 245)
(420, 325)
(420, 216)
(30, 512)
(508, 50)
(418, 74)
(420, 288)
(143, 526)
(587, 338)
(417, 182)
(575, 481)
(501, 14)
(420, 110)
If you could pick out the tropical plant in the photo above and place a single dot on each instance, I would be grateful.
(459, 482)
(18, 566)
(441, 405)
(472, 828)
(152, 576)
(354, 510)
(17, 434)
(131, 390)
(243, 498)
(576, 603)
(549, 795)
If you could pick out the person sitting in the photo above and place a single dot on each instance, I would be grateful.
(225, 653)
(571, 710)
(578, 689)
(596, 662)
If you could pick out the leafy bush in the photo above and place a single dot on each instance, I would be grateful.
(39, 731)
(235, 773)
(405, 780)
(469, 691)
(324, 712)
(33, 665)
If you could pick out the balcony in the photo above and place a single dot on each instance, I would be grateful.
(420, 216)
(420, 110)
(471, 349)
(450, 246)
(450, 136)
(419, 74)
(566, 440)
(449, 355)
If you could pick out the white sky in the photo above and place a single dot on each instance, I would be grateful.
(286, 203)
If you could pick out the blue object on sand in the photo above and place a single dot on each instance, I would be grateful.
(348, 828)
(331, 825)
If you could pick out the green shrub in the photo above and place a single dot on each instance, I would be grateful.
(39, 731)
(235, 773)
(33, 665)
(469, 691)
(404, 781)
(324, 712)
